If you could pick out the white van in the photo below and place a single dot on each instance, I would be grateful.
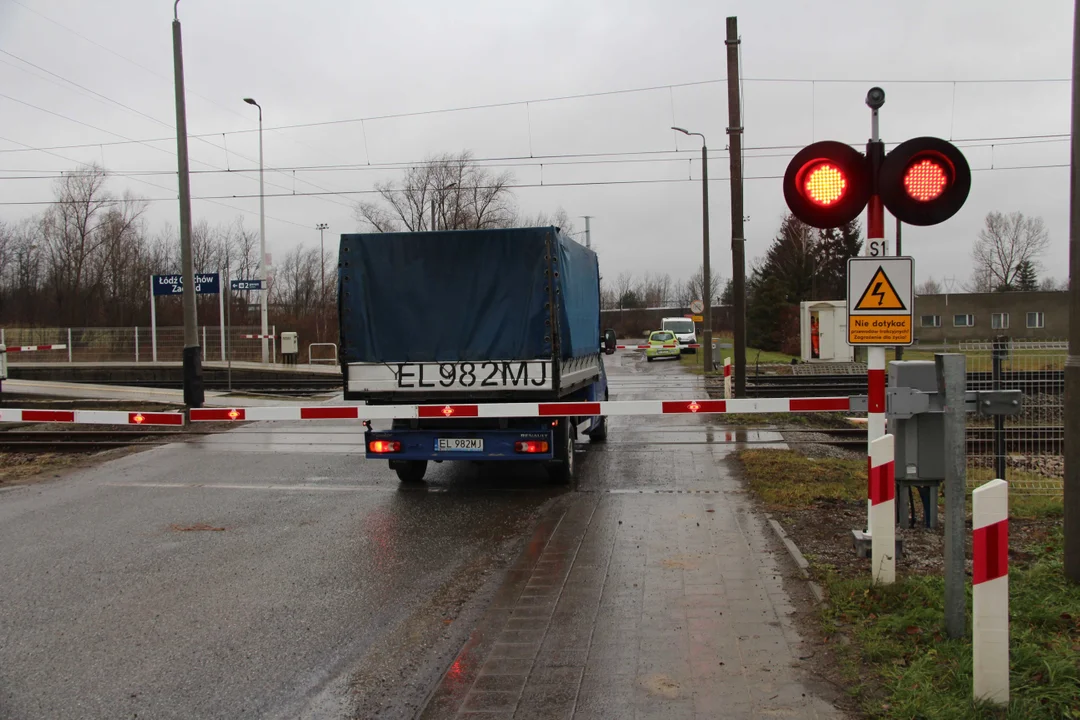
(684, 330)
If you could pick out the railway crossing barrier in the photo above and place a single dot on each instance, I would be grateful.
(523, 410)
(31, 348)
(91, 417)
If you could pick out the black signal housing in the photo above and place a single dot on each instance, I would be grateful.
(924, 181)
(827, 184)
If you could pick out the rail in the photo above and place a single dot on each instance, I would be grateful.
(312, 361)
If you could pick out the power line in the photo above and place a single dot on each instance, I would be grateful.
(129, 140)
(596, 183)
(601, 93)
(540, 161)
(132, 110)
(151, 184)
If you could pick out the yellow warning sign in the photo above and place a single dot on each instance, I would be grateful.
(879, 329)
(880, 295)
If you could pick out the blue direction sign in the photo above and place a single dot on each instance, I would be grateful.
(205, 284)
(245, 284)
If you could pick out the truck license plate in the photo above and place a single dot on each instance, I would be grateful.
(466, 444)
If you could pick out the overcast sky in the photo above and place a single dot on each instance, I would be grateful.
(328, 61)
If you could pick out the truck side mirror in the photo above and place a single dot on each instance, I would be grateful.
(609, 342)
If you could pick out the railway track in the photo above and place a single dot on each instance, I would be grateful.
(42, 441)
(980, 440)
(288, 386)
(765, 386)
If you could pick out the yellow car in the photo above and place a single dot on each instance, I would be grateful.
(662, 343)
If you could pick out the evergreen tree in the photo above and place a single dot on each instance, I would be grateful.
(1026, 279)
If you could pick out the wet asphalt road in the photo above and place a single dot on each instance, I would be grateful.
(273, 572)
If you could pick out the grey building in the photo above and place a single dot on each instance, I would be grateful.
(952, 317)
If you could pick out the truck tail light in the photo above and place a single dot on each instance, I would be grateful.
(531, 446)
(381, 447)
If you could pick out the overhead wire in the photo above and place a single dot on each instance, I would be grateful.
(518, 186)
(128, 108)
(212, 201)
(595, 94)
(555, 159)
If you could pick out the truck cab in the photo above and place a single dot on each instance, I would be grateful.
(685, 332)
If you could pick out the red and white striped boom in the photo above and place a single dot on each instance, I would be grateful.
(91, 417)
(524, 410)
(31, 348)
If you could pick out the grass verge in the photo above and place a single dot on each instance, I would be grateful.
(889, 642)
(897, 633)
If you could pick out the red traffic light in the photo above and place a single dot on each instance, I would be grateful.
(924, 181)
(827, 184)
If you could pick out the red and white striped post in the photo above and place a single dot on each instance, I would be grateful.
(882, 493)
(990, 591)
(875, 356)
(727, 378)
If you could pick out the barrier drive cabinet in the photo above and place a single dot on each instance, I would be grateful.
(915, 417)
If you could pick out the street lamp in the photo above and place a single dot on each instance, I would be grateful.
(442, 190)
(706, 279)
(322, 276)
(264, 291)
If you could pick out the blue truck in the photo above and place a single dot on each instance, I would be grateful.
(469, 317)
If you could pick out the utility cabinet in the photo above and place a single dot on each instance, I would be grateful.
(823, 331)
(290, 347)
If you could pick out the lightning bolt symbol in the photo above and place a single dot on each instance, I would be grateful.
(878, 294)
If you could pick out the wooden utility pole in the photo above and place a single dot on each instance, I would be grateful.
(1072, 361)
(738, 242)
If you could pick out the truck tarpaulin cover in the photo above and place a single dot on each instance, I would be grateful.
(466, 295)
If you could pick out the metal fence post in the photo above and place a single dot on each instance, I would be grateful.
(952, 385)
(70, 355)
(136, 343)
(999, 353)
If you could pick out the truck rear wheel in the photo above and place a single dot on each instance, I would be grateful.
(411, 471)
(561, 469)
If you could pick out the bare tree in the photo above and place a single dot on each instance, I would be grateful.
(560, 219)
(626, 295)
(929, 286)
(1049, 284)
(608, 298)
(656, 289)
(981, 281)
(75, 233)
(694, 288)
(446, 192)
(1004, 245)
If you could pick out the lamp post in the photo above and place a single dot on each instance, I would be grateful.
(264, 290)
(706, 278)
(442, 196)
(322, 276)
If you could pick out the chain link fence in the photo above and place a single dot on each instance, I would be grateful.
(131, 344)
(1026, 450)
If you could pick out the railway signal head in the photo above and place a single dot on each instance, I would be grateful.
(827, 184)
(924, 181)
